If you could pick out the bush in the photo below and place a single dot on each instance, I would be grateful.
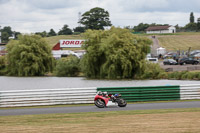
(30, 56)
(171, 75)
(114, 53)
(198, 76)
(2, 65)
(152, 71)
(184, 75)
(68, 67)
(190, 75)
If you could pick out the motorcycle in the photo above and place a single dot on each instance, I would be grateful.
(102, 100)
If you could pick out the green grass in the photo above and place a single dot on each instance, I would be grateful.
(164, 120)
(180, 42)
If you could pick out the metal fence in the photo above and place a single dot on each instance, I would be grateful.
(39, 97)
(147, 93)
(46, 97)
(190, 91)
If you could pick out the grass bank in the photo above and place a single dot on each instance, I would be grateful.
(180, 42)
(156, 121)
(55, 39)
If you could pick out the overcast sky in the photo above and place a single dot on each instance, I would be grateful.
(28, 16)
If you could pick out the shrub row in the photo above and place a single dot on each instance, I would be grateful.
(184, 75)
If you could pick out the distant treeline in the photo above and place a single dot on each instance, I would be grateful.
(88, 16)
(192, 26)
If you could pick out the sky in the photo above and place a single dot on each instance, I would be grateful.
(30, 16)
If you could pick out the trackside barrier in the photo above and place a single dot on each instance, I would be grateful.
(150, 93)
(38, 97)
(190, 91)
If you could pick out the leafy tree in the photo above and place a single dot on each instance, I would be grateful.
(191, 17)
(152, 71)
(96, 18)
(68, 66)
(65, 31)
(29, 56)
(42, 34)
(8, 30)
(6, 33)
(2, 62)
(198, 24)
(5, 37)
(2, 65)
(52, 33)
(17, 34)
(191, 27)
(79, 29)
(141, 27)
(115, 53)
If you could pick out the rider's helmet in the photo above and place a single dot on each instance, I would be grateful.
(99, 93)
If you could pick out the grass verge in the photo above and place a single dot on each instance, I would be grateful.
(156, 121)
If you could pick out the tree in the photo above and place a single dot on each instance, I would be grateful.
(96, 18)
(141, 27)
(6, 33)
(191, 17)
(198, 24)
(8, 30)
(191, 27)
(29, 56)
(114, 53)
(17, 34)
(5, 37)
(2, 65)
(79, 29)
(65, 30)
(52, 33)
(68, 66)
(42, 34)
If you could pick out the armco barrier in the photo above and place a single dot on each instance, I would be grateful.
(151, 93)
(38, 97)
(190, 91)
(46, 97)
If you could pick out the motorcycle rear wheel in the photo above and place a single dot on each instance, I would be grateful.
(122, 103)
(99, 103)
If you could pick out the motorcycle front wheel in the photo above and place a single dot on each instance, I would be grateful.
(122, 103)
(99, 103)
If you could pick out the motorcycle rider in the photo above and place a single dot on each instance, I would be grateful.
(105, 94)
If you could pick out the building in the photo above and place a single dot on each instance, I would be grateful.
(58, 51)
(160, 29)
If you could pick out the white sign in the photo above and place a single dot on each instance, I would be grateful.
(71, 43)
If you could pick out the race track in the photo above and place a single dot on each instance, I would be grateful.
(79, 109)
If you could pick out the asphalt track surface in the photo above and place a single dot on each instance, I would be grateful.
(79, 109)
